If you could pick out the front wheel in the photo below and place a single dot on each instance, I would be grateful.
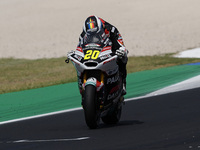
(92, 116)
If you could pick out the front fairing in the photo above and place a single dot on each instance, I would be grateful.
(105, 63)
(94, 53)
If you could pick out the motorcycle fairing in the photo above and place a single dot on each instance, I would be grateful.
(95, 59)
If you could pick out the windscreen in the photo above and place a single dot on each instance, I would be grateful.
(94, 37)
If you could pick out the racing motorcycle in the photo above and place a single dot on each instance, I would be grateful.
(99, 80)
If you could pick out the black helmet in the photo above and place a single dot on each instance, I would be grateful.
(92, 24)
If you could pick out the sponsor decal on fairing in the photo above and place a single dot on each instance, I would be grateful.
(105, 57)
(79, 58)
(113, 95)
(113, 79)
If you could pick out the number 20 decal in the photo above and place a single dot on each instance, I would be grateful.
(91, 54)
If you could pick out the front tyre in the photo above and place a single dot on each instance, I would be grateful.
(90, 107)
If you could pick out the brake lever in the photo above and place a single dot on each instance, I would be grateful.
(67, 60)
(70, 53)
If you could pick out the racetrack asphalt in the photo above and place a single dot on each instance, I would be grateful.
(169, 121)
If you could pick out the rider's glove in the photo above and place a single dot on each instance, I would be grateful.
(121, 52)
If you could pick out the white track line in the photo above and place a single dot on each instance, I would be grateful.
(50, 140)
(39, 116)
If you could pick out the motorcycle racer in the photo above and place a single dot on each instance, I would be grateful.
(94, 24)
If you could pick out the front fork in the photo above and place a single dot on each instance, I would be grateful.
(99, 87)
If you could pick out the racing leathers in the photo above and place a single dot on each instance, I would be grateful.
(117, 46)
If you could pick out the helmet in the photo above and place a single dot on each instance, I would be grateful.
(92, 24)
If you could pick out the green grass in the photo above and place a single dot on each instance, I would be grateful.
(22, 74)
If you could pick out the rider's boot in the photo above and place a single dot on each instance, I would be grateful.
(124, 87)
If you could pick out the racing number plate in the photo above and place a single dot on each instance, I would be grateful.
(91, 54)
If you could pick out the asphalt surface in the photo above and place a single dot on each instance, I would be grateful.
(170, 121)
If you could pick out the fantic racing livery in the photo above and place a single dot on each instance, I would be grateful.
(99, 80)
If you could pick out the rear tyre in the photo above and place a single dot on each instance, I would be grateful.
(113, 116)
(90, 107)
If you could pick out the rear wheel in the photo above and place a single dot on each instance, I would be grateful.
(90, 107)
(113, 115)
